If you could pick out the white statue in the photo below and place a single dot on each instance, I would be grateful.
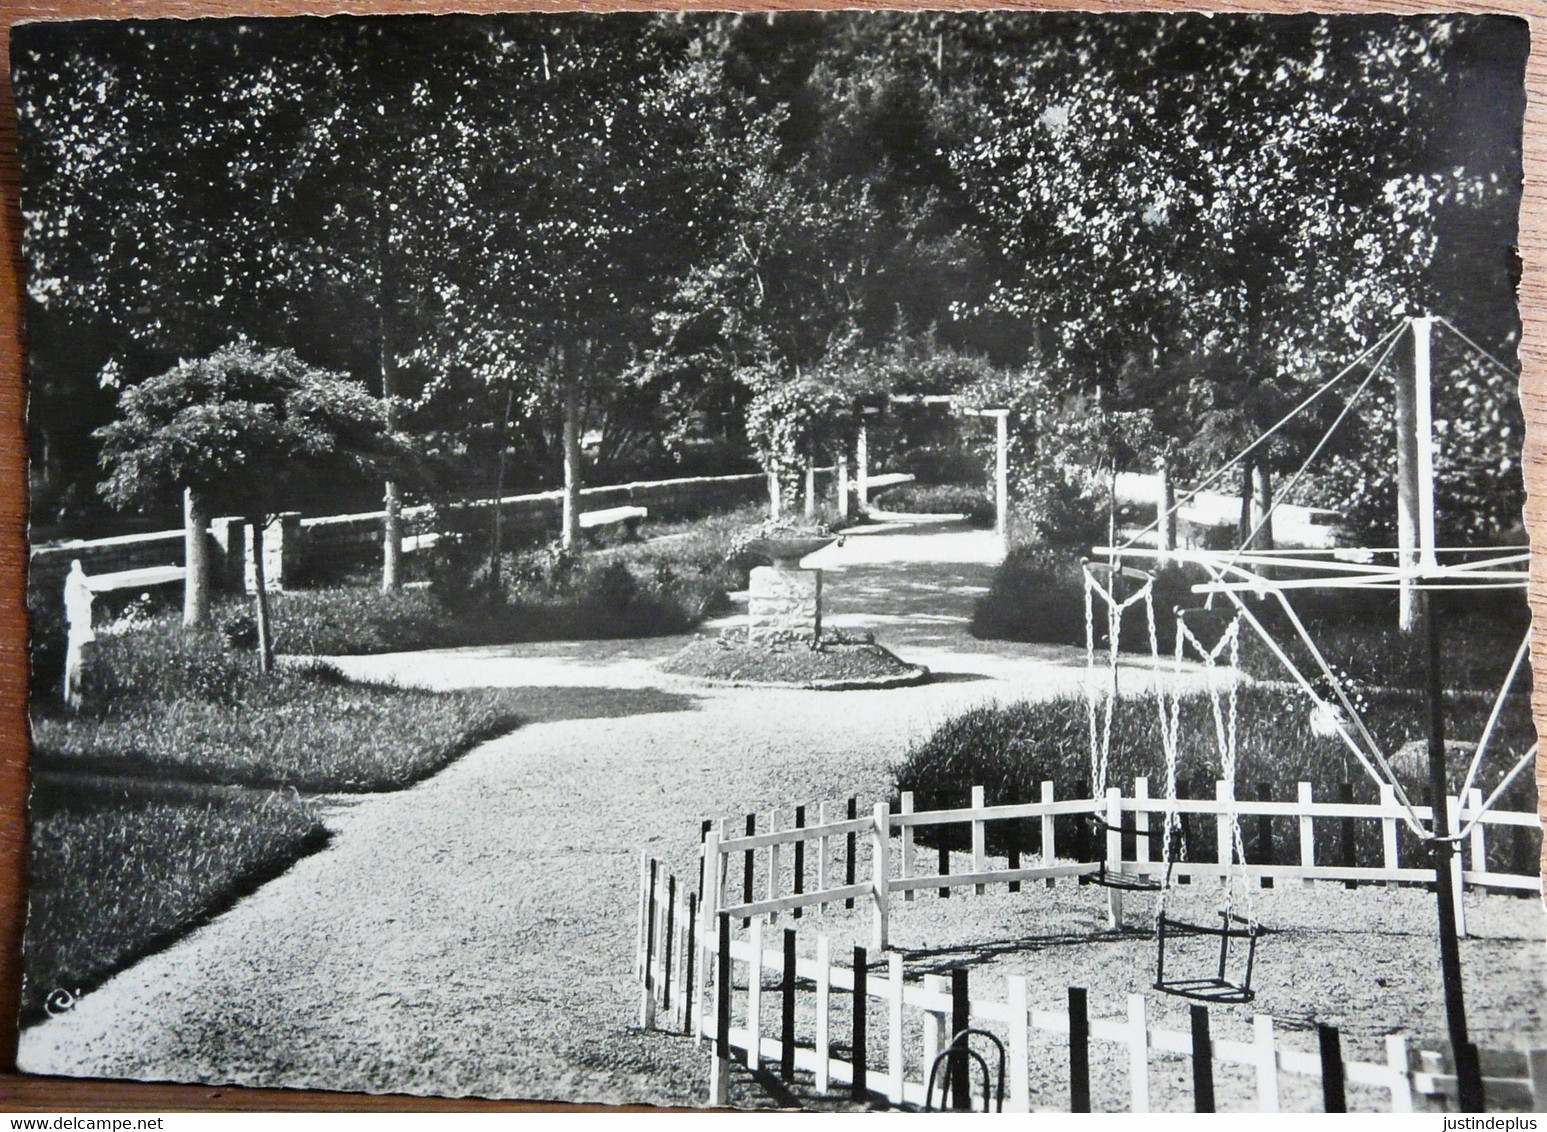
(77, 612)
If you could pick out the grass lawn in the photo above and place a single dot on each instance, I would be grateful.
(119, 873)
(179, 787)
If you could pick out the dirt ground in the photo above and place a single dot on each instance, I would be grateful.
(1363, 960)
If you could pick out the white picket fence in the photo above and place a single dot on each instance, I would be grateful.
(796, 865)
(694, 973)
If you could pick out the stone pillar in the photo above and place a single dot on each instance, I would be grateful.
(229, 535)
(862, 467)
(1002, 477)
(781, 601)
(281, 552)
(843, 481)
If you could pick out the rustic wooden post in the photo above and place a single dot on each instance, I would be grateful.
(880, 873)
(1334, 1098)
(861, 996)
(787, 1010)
(1202, 1060)
(1079, 1051)
(961, 1020)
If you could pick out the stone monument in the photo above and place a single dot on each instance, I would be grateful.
(784, 599)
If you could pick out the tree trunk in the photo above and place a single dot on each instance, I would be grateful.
(1244, 527)
(265, 641)
(1165, 502)
(497, 535)
(196, 585)
(1262, 502)
(572, 480)
(392, 527)
(841, 455)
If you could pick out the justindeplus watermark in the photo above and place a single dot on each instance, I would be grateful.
(1490, 1124)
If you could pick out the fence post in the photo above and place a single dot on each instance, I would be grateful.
(703, 834)
(647, 997)
(1266, 854)
(787, 1010)
(755, 997)
(1079, 1051)
(880, 869)
(824, 988)
(1536, 1069)
(1047, 831)
(852, 846)
(824, 854)
(748, 864)
(859, 1086)
(961, 1019)
(1453, 816)
(1266, 1049)
(979, 854)
(1138, 1054)
(690, 1000)
(935, 1036)
(1202, 1060)
(1388, 829)
(1401, 1075)
(1347, 855)
(1114, 824)
(1141, 821)
(800, 860)
(1334, 1099)
(1018, 1049)
(667, 955)
(894, 1060)
(1224, 846)
(773, 864)
(1307, 831)
(1478, 848)
(719, 1070)
(644, 910)
(906, 806)
(707, 914)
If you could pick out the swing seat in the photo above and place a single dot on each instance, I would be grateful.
(1209, 990)
(1132, 573)
(1217, 987)
(1123, 882)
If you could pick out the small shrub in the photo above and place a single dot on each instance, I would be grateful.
(1010, 750)
(939, 499)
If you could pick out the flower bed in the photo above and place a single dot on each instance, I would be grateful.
(836, 662)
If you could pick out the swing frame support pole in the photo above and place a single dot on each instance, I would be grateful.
(1469, 1083)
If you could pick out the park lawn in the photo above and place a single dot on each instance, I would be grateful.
(120, 872)
(164, 704)
(183, 783)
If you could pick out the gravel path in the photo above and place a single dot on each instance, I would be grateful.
(474, 934)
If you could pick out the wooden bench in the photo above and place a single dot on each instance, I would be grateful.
(874, 484)
(143, 578)
(630, 517)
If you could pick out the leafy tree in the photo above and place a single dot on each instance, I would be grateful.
(1224, 202)
(243, 429)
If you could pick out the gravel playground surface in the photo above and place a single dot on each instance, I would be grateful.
(474, 935)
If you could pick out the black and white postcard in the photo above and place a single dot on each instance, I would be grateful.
(849, 560)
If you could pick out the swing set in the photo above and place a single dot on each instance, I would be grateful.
(1414, 569)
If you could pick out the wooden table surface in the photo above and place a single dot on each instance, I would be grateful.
(19, 1092)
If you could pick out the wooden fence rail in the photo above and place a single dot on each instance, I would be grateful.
(708, 984)
(880, 859)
